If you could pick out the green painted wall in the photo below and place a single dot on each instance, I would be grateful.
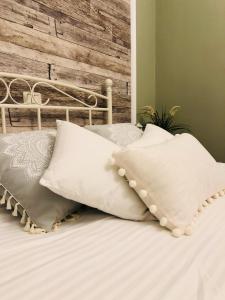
(181, 61)
(145, 52)
(190, 66)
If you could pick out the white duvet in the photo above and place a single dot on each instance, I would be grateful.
(104, 258)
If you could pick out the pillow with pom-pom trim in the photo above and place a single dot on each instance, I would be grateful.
(176, 179)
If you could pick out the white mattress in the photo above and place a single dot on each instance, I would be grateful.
(105, 258)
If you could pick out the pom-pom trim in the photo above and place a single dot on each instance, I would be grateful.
(122, 172)
(153, 209)
(164, 222)
(143, 193)
(177, 232)
(132, 184)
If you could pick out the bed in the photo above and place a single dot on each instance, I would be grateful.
(103, 257)
(100, 256)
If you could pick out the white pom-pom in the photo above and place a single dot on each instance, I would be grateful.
(216, 196)
(143, 193)
(188, 230)
(163, 221)
(205, 203)
(153, 209)
(112, 161)
(177, 232)
(132, 183)
(122, 172)
(210, 200)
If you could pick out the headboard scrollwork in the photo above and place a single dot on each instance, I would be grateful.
(32, 100)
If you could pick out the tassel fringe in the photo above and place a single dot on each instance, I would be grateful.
(24, 217)
(3, 200)
(11, 203)
(27, 227)
(15, 211)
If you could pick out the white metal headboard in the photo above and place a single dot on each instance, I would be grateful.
(9, 78)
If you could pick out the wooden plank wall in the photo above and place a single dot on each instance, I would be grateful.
(82, 41)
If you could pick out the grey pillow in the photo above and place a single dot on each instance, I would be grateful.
(23, 159)
(121, 134)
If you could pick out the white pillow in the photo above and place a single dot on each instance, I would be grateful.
(152, 135)
(121, 134)
(80, 170)
(175, 179)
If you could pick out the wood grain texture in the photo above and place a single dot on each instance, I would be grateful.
(70, 33)
(17, 13)
(13, 63)
(82, 42)
(89, 24)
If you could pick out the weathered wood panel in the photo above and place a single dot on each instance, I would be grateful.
(114, 8)
(52, 60)
(87, 80)
(82, 42)
(122, 8)
(87, 23)
(70, 33)
(12, 63)
(19, 14)
(120, 26)
(39, 41)
(79, 9)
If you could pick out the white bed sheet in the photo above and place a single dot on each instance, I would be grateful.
(104, 258)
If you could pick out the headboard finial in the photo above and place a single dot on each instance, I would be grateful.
(109, 82)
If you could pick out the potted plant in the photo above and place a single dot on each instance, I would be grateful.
(164, 119)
